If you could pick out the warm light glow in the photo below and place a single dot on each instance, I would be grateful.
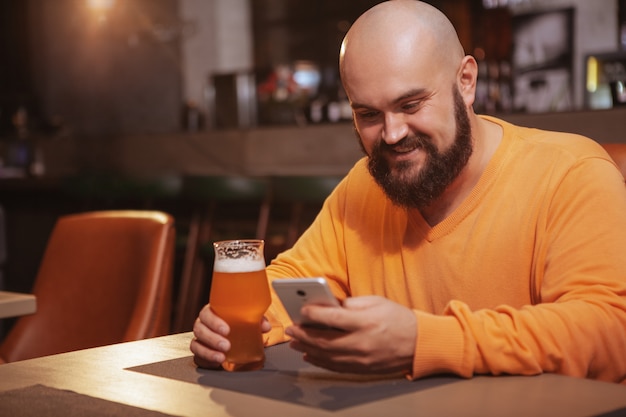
(592, 74)
(100, 5)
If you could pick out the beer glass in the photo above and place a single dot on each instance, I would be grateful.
(240, 295)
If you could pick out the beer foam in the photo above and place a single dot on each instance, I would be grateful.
(239, 265)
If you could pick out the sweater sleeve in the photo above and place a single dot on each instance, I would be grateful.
(577, 323)
(317, 253)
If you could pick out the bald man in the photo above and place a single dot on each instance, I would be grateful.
(460, 243)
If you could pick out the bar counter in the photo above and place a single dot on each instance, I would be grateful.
(322, 149)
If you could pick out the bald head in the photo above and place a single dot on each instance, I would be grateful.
(393, 31)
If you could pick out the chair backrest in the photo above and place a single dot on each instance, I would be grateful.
(105, 277)
(617, 151)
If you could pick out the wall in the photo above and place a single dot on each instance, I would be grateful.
(106, 74)
(220, 43)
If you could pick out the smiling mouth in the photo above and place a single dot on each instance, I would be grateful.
(401, 150)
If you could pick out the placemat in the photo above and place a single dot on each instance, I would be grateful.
(286, 377)
(43, 401)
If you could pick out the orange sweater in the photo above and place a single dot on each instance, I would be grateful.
(528, 275)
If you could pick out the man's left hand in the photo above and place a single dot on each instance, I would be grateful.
(373, 335)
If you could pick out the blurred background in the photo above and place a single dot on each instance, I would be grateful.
(110, 67)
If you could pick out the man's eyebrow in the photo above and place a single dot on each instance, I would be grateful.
(359, 106)
(409, 94)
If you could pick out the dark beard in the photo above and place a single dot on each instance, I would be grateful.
(440, 168)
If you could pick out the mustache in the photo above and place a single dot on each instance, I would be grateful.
(408, 143)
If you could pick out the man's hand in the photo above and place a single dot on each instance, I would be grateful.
(376, 336)
(210, 344)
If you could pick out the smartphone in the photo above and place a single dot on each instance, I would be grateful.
(294, 293)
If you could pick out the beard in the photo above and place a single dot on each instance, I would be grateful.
(440, 169)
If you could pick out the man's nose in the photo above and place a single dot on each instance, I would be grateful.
(395, 128)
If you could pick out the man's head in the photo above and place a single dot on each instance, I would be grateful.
(411, 88)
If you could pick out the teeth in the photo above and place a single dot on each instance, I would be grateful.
(404, 150)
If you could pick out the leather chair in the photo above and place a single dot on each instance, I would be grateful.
(617, 151)
(105, 277)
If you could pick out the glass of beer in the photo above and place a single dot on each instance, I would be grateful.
(240, 295)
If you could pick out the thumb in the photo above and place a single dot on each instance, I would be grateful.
(266, 326)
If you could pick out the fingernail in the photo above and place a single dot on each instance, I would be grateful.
(223, 346)
(288, 331)
(222, 330)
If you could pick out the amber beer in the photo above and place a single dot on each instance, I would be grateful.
(240, 295)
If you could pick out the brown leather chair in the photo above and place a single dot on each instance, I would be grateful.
(105, 277)
(617, 151)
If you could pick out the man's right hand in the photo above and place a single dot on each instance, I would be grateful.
(210, 343)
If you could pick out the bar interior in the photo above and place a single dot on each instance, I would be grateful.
(229, 117)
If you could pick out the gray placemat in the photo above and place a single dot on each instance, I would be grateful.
(44, 401)
(286, 377)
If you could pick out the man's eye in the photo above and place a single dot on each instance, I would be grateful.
(412, 106)
(367, 115)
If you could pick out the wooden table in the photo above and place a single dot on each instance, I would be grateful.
(13, 304)
(103, 373)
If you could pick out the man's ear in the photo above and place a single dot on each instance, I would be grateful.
(466, 79)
